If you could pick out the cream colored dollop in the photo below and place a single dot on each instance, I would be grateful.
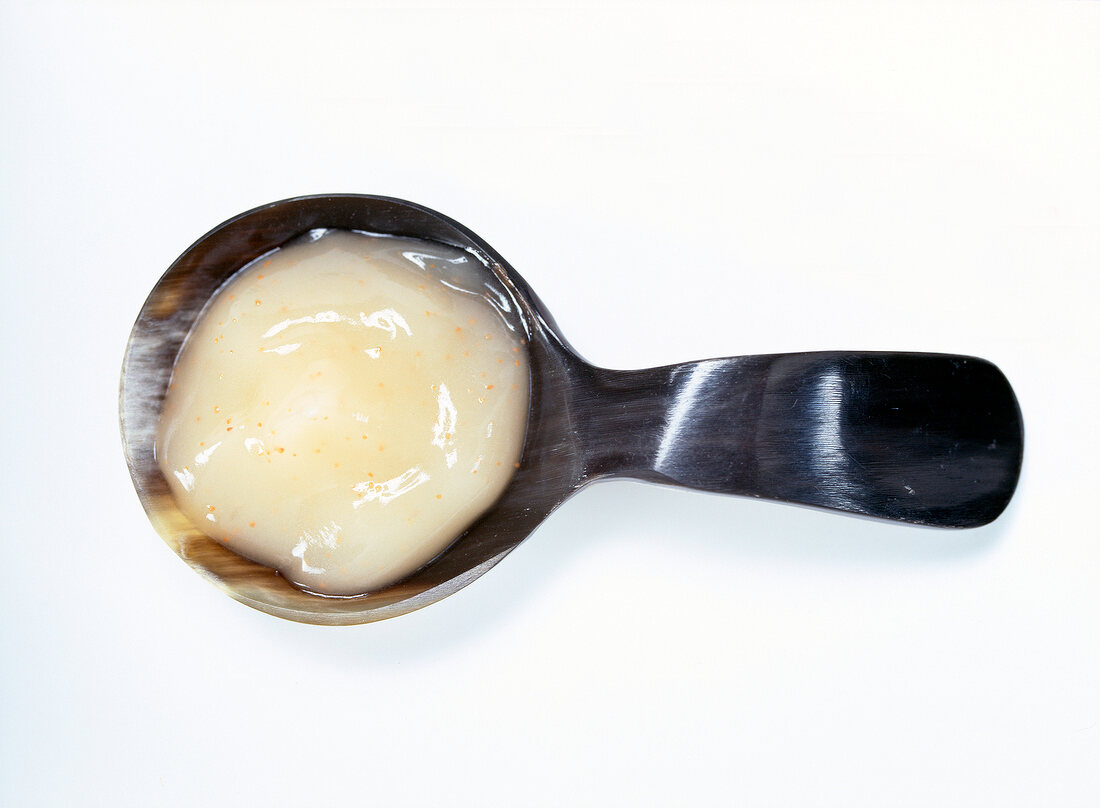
(346, 407)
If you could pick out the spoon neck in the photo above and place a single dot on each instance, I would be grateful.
(621, 418)
(668, 424)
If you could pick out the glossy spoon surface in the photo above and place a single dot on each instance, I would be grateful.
(928, 439)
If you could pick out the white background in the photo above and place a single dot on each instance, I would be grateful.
(677, 182)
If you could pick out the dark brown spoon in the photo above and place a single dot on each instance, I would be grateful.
(929, 439)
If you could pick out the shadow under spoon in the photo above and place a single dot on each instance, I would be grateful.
(929, 439)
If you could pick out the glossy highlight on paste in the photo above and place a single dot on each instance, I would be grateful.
(345, 407)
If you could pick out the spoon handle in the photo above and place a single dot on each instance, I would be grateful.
(930, 439)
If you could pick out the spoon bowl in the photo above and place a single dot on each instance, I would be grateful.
(928, 439)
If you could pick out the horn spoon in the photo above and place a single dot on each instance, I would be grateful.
(929, 439)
